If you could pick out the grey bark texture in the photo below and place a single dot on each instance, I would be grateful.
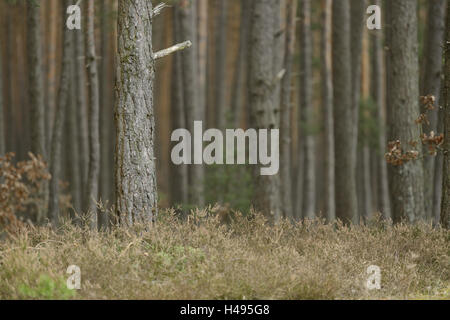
(179, 173)
(307, 112)
(220, 64)
(445, 208)
(2, 114)
(73, 145)
(327, 106)
(378, 94)
(286, 110)
(35, 78)
(261, 92)
(238, 95)
(193, 110)
(136, 189)
(406, 183)
(431, 84)
(55, 154)
(345, 157)
(82, 118)
(94, 114)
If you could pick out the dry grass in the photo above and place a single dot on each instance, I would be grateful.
(247, 259)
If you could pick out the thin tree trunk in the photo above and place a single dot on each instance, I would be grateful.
(179, 173)
(202, 51)
(286, 106)
(82, 118)
(220, 64)
(55, 155)
(94, 110)
(136, 189)
(107, 114)
(307, 112)
(2, 115)
(345, 164)
(193, 111)
(279, 51)
(378, 93)
(403, 105)
(445, 208)
(327, 105)
(35, 85)
(238, 94)
(432, 71)
(73, 146)
(261, 88)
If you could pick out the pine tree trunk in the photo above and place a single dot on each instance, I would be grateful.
(286, 110)
(327, 105)
(378, 93)
(179, 173)
(307, 112)
(261, 88)
(136, 189)
(56, 142)
(445, 208)
(431, 85)
(220, 65)
(406, 184)
(238, 94)
(35, 78)
(345, 155)
(193, 111)
(94, 113)
(2, 118)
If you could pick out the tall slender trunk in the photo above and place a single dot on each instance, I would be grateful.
(378, 93)
(179, 173)
(94, 111)
(136, 189)
(82, 118)
(406, 184)
(193, 111)
(55, 154)
(202, 51)
(445, 208)
(261, 89)
(327, 105)
(431, 85)
(286, 106)
(106, 108)
(2, 117)
(220, 65)
(238, 93)
(73, 153)
(307, 112)
(345, 164)
(35, 78)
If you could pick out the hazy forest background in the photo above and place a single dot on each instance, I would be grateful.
(86, 118)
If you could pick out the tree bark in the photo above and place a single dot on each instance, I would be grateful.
(378, 94)
(2, 115)
(261, 89)
(406, 184)
(136, 189)
(432, 71)
(345, 164)
(445, 208)
(327, 105)
(193, 111)
(55, 155)
(238, 95)
(35, 78)
(179, 173)
(220, 65)
(286, 110)
(307, 112)
(94, 112)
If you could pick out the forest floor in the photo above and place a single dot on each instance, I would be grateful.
(202, 258)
